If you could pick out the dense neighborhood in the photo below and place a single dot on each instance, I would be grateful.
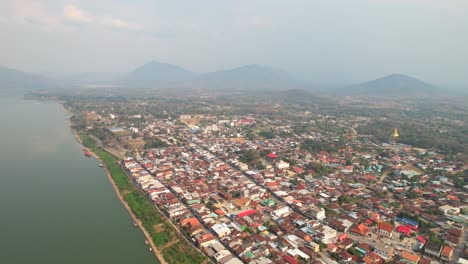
(250, 189)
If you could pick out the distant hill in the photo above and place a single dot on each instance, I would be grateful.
(162, 75)
(251, 76)
(14, 79)
(155, 74)
(302, 97)
(392, 85)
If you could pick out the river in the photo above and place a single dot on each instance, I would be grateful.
(56, 205)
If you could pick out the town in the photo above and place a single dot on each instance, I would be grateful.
(249, 188)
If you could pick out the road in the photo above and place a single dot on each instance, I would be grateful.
(460, 247)
(161, 212)
(108, 149)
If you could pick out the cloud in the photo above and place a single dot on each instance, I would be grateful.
(119, 23)
(30, 13)
(44, 16)
(75, 14)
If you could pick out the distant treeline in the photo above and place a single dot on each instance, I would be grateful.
(451, 140)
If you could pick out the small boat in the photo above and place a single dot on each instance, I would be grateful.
(87, 154)
(100, 165)
(150, 249)
(146, 242)
(135, 224)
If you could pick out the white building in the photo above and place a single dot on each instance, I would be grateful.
(283, 211)
(317, 213)
(282, 165)
(385, 251)
(221, 230)
(326, 233)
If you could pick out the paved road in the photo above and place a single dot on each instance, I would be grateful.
(460, 247)
(168, 220)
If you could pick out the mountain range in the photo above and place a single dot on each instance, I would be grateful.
(13, 79)
(156, 75)
(249, 77)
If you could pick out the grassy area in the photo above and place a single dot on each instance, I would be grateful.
(179, 251)
(87, 141)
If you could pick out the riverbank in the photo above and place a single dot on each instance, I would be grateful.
(77, 218)
(167, 243)
(155, 250)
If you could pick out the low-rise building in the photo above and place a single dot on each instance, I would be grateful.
(384, 229)
(446, 254)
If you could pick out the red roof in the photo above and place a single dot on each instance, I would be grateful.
(385, 227)
(248, 212)
(404, 229)
(219, 212)
(290, 259)
(272, 155)
(421, 239)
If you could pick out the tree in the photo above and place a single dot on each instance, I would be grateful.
(250, 157)
(155, 142)
(267, 134)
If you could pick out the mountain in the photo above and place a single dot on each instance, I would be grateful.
(154, 74)
(392, 85)
(251, 76)
(14, 79)
(163, 75)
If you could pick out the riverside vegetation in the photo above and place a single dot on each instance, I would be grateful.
(174, 249)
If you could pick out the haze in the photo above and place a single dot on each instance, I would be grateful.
(321, 41)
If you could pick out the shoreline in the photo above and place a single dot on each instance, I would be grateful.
(156, 252)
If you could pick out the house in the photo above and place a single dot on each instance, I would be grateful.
(447, 254)
(433, 249)
(384, 251)
(360, 230)
(345, 256)
(242, 202)
(384, 229)
(346, 244)
(404, 230)
(325, 234)
(372, 258)
(409, 258)
(314, 246)
(342, 225)
(281, 212)
(332, 248)
(317, 213)
(290, 259)
(221, 230)
(205, 240)
(282, 165)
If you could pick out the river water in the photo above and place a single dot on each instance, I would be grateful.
(56, 205)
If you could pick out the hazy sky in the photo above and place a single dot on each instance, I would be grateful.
(319, 40)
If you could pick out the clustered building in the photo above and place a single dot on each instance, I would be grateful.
(346, 203)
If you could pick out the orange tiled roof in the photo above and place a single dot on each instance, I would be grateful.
(385, 226)
(447, 251)
(410, 257)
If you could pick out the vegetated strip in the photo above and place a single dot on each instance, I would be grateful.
(155, 224)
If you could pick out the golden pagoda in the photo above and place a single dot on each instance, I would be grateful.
(395, 135)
